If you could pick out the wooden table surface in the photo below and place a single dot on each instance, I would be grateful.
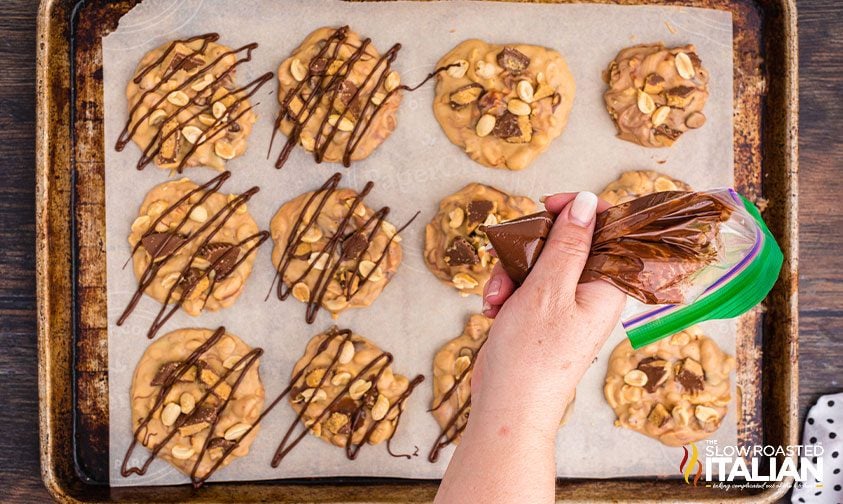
(820, 216)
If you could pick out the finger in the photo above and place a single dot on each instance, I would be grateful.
(496, 291)
(603, 205)
(490, 311)
(556, 202)
(499, 286)
(567, 246)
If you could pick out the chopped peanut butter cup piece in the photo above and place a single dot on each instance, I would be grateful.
(226, 253)
(184, 62)
(478, 210)
(160, 245)
(690, 375)
(680, 96)
(507, 126)
(654, 84)
(513, 60)
(667, 134)
(209, 378)
(170, 142)
(658, 415)
(525, 131)
(461, 252)
(466, 95)
(353, 245)
(656, 371)
(337, 423)
(345, 92)
(164, 373)
(217, 446)
(201, 418)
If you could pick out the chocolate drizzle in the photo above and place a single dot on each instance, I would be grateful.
(377, 365)
(336, 87)
(175, 372)
(453, 429)
(345, 244)
(190, 277)
(651, 247)
(211, 415)
(188, 63)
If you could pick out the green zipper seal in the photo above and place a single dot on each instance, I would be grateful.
(736, 297)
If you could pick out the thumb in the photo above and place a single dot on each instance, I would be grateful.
(566, 250)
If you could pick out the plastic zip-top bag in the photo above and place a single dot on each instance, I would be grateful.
(697, 255)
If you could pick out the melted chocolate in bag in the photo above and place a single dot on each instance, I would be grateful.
(519, 242)
(650, 247)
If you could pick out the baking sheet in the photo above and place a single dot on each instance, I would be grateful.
(412, 170)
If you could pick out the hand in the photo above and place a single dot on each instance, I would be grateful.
(547, 333)
(545, 336)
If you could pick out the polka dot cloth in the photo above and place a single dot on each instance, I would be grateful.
(824, 427)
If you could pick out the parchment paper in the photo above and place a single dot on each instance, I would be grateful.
(413, 170)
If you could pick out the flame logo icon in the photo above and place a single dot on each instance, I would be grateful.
(686, 467)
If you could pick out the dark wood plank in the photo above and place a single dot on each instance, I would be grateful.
(821, 219)
(820, 215)
(20, 479)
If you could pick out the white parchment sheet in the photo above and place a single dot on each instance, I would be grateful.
(413, 170)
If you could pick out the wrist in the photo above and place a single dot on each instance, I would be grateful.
(518, 419)
(538, 407)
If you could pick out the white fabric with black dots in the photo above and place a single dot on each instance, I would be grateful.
(824, 427)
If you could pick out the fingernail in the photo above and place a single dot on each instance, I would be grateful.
(494, 287)
(583, 208)
(486, 306)
(544, 197)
